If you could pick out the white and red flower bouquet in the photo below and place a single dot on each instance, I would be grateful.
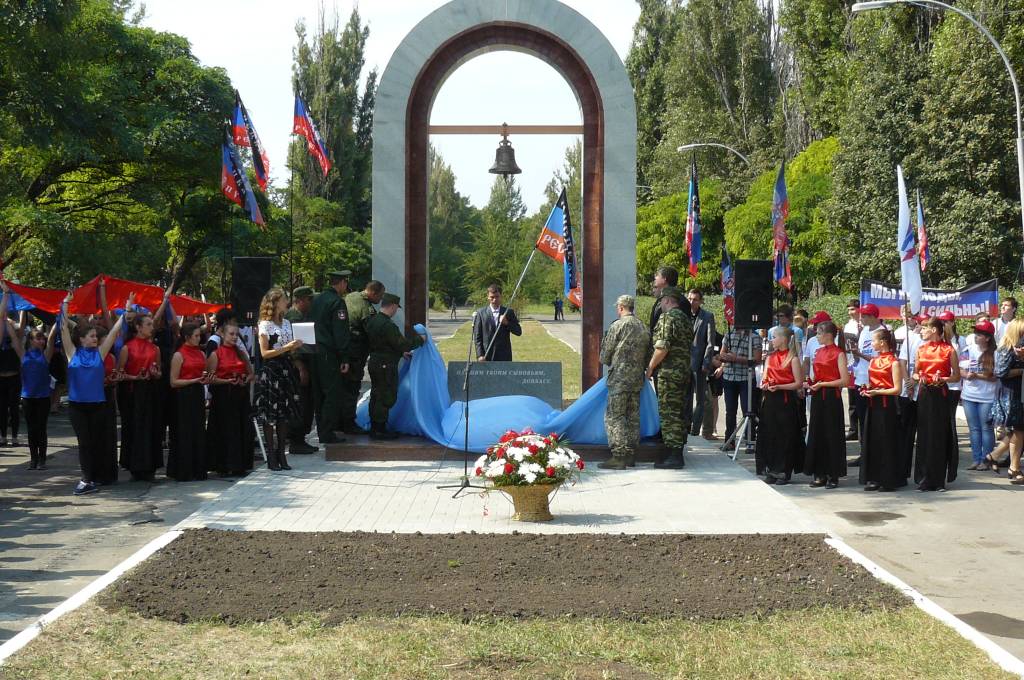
(526, 458)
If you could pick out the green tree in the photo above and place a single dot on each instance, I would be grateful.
(748, 226)
(453, 221)
(498, 254)
(327, 70)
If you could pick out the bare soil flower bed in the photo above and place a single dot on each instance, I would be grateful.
(236, 576)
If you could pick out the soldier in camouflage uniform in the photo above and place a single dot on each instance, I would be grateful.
(673, 337)
(387, 345)
(625, 349)
(360, 306)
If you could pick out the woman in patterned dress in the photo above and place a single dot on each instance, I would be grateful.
(277, 395)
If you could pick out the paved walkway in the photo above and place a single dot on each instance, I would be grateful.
(711, 496)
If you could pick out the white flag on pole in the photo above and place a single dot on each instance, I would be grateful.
(909, 265)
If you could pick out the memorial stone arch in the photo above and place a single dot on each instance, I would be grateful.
(567, 41)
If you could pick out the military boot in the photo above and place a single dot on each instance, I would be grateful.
(378, 431)
(616, 462)
(630, 459)
(674, 461)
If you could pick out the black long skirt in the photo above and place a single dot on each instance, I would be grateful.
(936, 460)
(826, 441)
(908, 434)
(141, 427)
(229, 430)
(882, 459)
(186, 460)
(779, 445)
(108, 468)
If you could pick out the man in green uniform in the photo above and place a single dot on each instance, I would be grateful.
(330, 323)
(387, 346)
(673, 337)
(302, 301)
(625, 349)
(360, 308)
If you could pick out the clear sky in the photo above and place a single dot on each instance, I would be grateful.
(253, 41)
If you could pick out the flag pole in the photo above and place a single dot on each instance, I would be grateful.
(291, 228)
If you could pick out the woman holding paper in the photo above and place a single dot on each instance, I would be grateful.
(277, 396)
(937, 365)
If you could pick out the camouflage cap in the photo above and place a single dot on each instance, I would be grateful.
(303, 292)
(390, 299)
(672, 292)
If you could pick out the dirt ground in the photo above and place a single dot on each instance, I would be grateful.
(254, 576)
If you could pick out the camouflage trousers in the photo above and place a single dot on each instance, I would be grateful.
(673, 407)
(622, 422)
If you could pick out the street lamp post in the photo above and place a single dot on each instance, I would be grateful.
(878, 4)
(696, 145)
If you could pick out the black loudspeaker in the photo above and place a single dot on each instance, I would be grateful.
(754, 294)
(250, 281)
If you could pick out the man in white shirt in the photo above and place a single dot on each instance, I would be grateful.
(865, 353)
(852, 328)
(1007, 313)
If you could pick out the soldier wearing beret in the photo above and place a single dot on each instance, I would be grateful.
(330, 323)
(360, 308)
(303, 358)
(387, 346)
(673, 338)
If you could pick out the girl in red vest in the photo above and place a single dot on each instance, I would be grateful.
(826, 445)
(882, 465)
(938, 365)
(229, 430)
(779, 443)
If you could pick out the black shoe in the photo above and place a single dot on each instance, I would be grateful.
(781, 481)
(354, 429)
(817, 483)
(832, 483)
(675, 461)
(872, 486)
(770, 478)
(301, 447)
(282, 460)
(887, 489)
(384, 435)
(854, 463)
(272, 462)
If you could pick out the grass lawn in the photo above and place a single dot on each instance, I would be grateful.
(94, 643)
(534, 345)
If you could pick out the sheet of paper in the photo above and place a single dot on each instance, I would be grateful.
(304, 332)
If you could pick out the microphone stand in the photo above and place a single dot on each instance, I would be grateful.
(465, 484)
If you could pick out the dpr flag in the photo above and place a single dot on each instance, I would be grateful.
(235, 184)
(923, 253)
(244, 134)
(569, 258)
(780, 211)
(550, 241)
(728, 287)
(693, 226)
(304, 126)
(911, 274)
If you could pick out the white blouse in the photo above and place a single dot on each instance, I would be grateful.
(283, 332)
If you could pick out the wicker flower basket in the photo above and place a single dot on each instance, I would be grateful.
(531, 502)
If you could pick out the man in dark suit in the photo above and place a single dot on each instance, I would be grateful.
(703, 339)
(494, 319)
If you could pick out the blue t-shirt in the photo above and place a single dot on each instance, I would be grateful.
(85, 376)
(35, 375)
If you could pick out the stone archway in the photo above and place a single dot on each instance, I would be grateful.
(563, 38)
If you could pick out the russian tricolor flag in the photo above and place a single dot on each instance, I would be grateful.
(304, 126)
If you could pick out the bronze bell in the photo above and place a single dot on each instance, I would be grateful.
(505, 157)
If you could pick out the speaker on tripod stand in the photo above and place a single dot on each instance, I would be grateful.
(753, 312)
(250, 281)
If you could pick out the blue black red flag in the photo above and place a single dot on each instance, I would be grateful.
(728, 281)
(923, 251)
(244, 134)
(235, 184)
(305, 127)
(780, 239)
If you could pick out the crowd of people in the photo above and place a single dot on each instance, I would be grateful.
(902, 389)
(206, 392)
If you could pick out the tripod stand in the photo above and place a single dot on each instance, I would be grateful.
(464, 484)
(742, 436)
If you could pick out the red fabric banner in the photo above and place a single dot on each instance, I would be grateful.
(86, 298)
